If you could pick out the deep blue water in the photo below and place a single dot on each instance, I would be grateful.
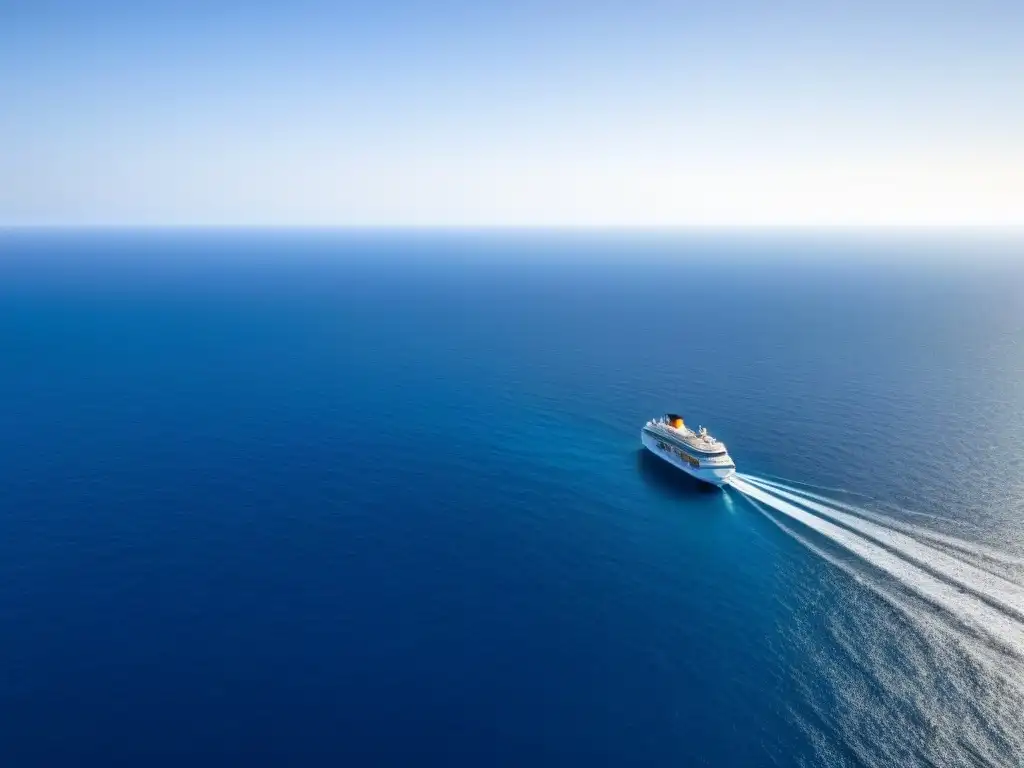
(378, 498)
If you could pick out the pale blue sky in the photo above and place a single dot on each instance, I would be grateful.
(460, 113)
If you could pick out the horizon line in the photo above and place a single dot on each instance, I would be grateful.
(993, 228)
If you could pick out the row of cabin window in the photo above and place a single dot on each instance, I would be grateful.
(685, 457)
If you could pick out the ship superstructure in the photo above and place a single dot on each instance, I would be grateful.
(695, 452)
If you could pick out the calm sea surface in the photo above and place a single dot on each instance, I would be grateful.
(285, 498)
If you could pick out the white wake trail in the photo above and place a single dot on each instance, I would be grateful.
(968, 609)
(804, 485)
(986, 585)
(973, 550)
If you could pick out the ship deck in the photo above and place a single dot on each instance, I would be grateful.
(688, 437)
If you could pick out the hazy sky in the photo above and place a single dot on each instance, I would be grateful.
(546, 113)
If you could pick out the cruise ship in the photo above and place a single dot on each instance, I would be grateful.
(696, 453)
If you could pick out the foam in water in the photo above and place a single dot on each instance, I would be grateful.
(980, 554)
(973, 612)
(968, 693)
(988, 586)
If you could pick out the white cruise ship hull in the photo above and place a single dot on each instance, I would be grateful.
(715, 475)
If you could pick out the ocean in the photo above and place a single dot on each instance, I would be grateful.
(378, 498)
